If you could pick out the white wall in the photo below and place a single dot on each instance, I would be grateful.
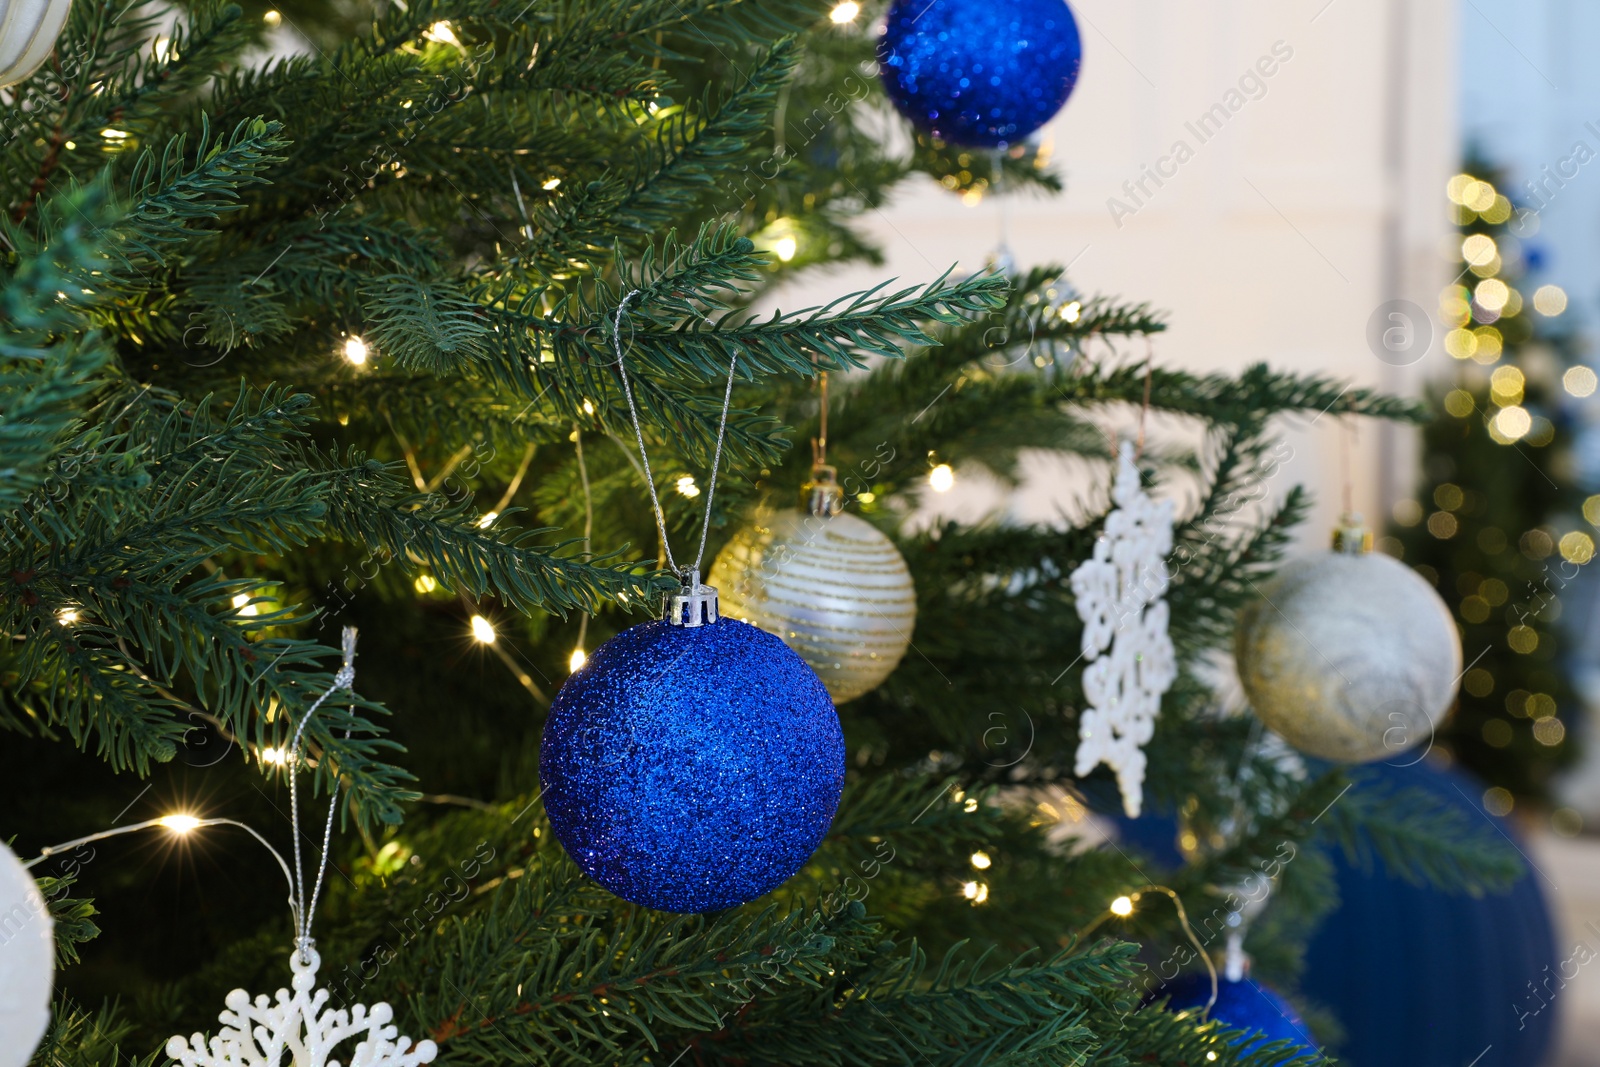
(1279, 237)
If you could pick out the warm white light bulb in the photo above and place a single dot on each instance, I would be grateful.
(579, 658)
(242, 602)
(273, 755)
(355, 351)
(488, 519)
(482, 630)
(942, 478)
(179, 824)
(981, 860)
(425, 583)
(67, 617)
(551, 185)
(844, 12)
(785, 247)
(441, 33)
(687, 487)
(1122, 906)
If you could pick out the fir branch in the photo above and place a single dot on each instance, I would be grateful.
(73, 917)
(1422, 840)
(369, 504)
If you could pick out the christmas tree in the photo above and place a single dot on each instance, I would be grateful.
(1498, 524)
(333, 339)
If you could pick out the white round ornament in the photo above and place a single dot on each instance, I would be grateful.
(27, 961)
(830, 584)
(28, 32)
(1349, 655)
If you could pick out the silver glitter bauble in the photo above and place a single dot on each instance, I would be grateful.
(28, 32)
(1349, 655)
(831, 585)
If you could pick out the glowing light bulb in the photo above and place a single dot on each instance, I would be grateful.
(274, 755)
(687, 487)
(785, 247)
(942, 478)
(179, 824)
(482, 630)
(242, 602)
(1479, 249)
(976, 892)
(67, 617)
(1550, 300)
(1513, 423)
(355, 351)
(272, 19)
(844, 12)
(425, 583)
(1580, 381)
(551, 185)
(579, 658)
(441, 33)
(488, 519)
(981, 860)
(588, 407)
(1072, 312)
(1122, 906)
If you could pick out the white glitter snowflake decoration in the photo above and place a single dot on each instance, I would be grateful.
(1119, 593)
(300, 1031)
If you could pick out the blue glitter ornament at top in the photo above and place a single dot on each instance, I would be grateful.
(692, 767)
(983, 73)
(1242, 1005)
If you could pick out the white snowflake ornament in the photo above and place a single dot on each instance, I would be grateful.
(299, 1031)
(1125, 641)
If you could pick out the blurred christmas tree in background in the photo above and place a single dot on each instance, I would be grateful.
(1500, 523)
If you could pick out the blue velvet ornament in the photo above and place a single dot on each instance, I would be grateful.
(1419, 976)
(692, 768)
(984, 73)
(1242, 1005)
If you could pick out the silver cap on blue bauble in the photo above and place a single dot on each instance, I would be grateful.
(694, 604)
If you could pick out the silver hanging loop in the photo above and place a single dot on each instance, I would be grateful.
(693, 605)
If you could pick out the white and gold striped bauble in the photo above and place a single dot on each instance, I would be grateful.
(28, 32)
(831, 585)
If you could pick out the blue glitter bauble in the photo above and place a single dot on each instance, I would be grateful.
(1242, 1005)
(692, 768)
(979, 72)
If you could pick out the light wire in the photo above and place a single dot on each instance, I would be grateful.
(299, 911)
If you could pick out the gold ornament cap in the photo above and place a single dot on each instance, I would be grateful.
(822, 496)
(1351, 537)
